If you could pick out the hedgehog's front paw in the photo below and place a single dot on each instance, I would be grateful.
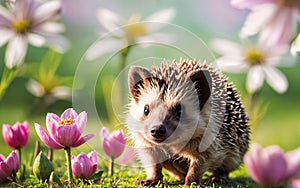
(189, 180)
(150, 183)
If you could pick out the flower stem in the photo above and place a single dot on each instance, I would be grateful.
(20, 155)
(68, 157)
(111, 167)
(7, 77)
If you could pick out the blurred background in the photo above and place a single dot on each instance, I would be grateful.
(105, 97)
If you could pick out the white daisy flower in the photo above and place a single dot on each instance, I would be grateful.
(127, 32)
(51, 93)
(260, 63)
(29, 22)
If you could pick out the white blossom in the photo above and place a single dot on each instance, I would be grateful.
(28, 21)
(258, 60)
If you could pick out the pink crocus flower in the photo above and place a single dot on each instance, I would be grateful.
(84, 166)
(275, 20)
(64, 131)
(295, 183)
(8, 165)
(16, 136)
(270, 167)
(113, 144)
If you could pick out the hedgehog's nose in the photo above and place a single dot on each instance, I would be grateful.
(158, 131)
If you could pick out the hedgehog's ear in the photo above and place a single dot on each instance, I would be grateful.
(137, 78)
(203, 84)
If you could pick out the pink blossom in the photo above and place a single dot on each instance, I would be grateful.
(295, 183)
(270, 166)
(64, 131)
(84, 166)
(275, 20)
(16, 136)
(8, 166)
(113, 144)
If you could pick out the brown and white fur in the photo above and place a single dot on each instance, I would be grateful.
(185, 117)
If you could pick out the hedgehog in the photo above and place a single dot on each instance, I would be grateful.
(185, 117)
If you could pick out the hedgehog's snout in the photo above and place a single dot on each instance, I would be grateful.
(158, 132)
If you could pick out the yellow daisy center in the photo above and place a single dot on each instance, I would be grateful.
(68, 121)
(134, 28)
(21, 26)
(254, 57)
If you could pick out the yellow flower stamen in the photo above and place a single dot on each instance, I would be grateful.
(68, 121)
(254, 57)
(134, 28)
(21, 26)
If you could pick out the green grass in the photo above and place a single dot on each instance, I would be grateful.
(125, 176)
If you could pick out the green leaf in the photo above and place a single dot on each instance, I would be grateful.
(49, 65)
(97, 175)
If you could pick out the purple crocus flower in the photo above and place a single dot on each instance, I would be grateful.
(8, 166)
(84, 166)
(64, 131)
(113, 144)
(16, 136)
(270, 167)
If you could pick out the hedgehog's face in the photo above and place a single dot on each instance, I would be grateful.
(162, 111)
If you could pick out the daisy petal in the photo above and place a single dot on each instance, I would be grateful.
(258, 18)
(57, 42)
(15, 51)
(255, 78)
(232, 65)
(47, 11)
(226, 47)
(52, 27)
(104, 46)
(5, 36)
(155, 38)
(36, 40)
(276, 79)
(109, 19)
(163, 16)
(62, 92)
(35, 88)
(295, 47)
(248, 3)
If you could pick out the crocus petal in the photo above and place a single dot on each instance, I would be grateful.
(163, 16)
(15, 52)
(226, 47)
(104, 133)
(293, 162)
(251, 159)
(249, 3)
(295, 47)
(8, 135)
(68, 135)
(52, 125)
(128, 155)
(48, 141)
(77, 169)
(15, 157)
(47, 11)
(5, 36)
(109, 19)
(295, 183)
(255, 78)
(2, 158)
(258, 18)
(274, 161)
(107, 147)
(69, 113)
(276, 79)
(83, 140)
(104, 46)
(93, 157)
(80, 121)
(23, 134)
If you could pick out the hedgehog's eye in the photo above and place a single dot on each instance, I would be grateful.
(178, 111)
(146, 110)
